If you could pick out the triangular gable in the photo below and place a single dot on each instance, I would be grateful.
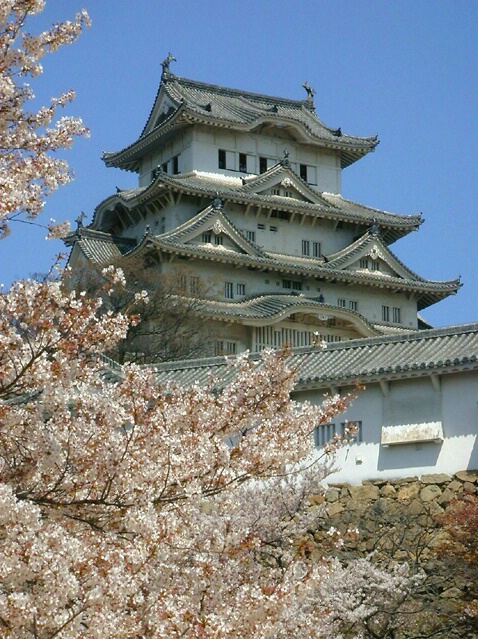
(370, 256)
(163, 108)
(203, 229)
(282, 178)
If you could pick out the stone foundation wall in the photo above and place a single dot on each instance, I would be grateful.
(398, 522)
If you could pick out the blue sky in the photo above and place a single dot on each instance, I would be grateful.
(405, 70)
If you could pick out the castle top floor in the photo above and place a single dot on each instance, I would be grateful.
(195, 126)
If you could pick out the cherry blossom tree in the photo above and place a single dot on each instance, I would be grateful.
(134, 510)
(128, 509)
(29, 140)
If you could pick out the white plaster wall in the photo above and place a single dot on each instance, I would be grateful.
(370, 460)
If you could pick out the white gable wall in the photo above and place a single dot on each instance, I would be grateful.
(416, 402)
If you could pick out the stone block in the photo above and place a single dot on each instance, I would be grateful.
(416, 507)
(388, 491)
(446, 497)
(467, 475)
(451, 593)
(429, 493)
(332, 495)
(437, 478)
(406, 480)
(408, 491)
(469, 488)
(335, 509)
(455, 485)
(367, 492)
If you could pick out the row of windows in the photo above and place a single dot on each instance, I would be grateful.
(224, 347)
(395, 315)
(189, 284)
(352, 305)
(171, 166)
(273, 337)
(307, 245)
(294, 285)
(207, 238)
(229, 290)
(372, 265)
(262, 227)
(245, 163)
(324, 433)
(232, 161)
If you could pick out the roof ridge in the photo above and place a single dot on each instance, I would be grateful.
(235, 92)
(409, 336)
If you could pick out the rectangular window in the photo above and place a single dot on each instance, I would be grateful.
(262, 165)
(353, 305)
(251, 236)
(218, 240)
(222, 159)
(311, 175)
(162, 227)
(241, 289)
(342, 303)
(175, 163)
(363, 263)
(183, 281)
(297, 286)
(303, 172)
(194, 284)
(385, 313)
(286, 284)
(305, 247)
(316, 248)
(261, 227)
(358, 437)
(323, 434)
(375, 265)
(164, 167)
(275, 191)
(396, 315)
(242, 162)
(229, 290)
(206, 238)
(273, 229)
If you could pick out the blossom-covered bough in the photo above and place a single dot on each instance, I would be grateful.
(29, 168)
(129, 510)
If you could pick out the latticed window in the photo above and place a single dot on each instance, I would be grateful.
(385, 313)
(323, 434)
(223, 347)
(194, 285)
(305, 247)
(229, 290)
(241, 289)
(396, 315)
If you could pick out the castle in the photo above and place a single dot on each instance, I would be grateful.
(243, 191)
